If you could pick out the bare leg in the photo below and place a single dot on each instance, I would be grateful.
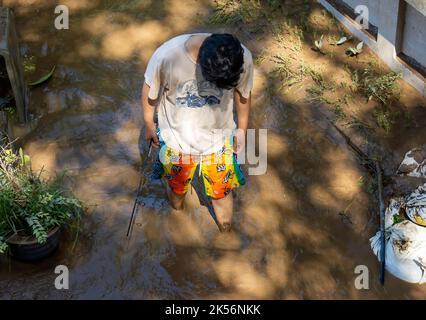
(223, 209)
(176, 200)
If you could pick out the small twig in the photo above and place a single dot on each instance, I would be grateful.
(135, 204)
(374, 169)
(344, 213)
(365, 160)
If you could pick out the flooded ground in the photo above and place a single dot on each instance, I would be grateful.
(299, 231)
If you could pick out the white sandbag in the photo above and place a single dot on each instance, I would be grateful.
(405, 246)
(405, 251)
(415, 205)
(392, 210)
(414, 164)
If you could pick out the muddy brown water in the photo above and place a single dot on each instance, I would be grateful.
(299, 230)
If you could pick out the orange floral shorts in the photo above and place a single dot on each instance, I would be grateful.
(220, 170)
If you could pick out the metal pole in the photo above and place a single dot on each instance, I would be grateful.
(382, 225)
(136, 203)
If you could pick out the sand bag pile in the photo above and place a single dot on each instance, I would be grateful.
(405, 225)
(405, 239)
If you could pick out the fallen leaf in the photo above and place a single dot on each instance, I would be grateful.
(342, 41)
(43, 79)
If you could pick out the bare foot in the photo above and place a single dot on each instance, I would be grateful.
(225, 227)
(176, 201)
(223, 209)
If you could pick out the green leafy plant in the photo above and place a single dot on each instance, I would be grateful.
(384, 118)
(29, 205)
(397, 219)
(383, 88)
(10, 110)
(29, 64)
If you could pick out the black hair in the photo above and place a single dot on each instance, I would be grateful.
(221, 58)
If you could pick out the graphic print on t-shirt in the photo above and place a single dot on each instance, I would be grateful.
(193, 94)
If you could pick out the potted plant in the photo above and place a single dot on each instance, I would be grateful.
(32, 210)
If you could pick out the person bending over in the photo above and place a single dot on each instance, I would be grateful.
(195, 80)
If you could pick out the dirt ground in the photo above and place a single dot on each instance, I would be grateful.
(300, 230)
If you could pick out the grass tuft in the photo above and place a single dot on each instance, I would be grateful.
(229, 12)
(383, 88)
(384, 117)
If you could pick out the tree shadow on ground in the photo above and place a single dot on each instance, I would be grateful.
(300, 229)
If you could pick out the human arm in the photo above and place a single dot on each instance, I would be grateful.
(148, 109)
(242, 106)
(242, 101)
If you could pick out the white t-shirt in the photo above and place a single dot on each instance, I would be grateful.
(191, 109)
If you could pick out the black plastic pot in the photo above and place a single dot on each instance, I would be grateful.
(25, 249)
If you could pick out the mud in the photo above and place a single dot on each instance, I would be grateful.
(299, 230)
